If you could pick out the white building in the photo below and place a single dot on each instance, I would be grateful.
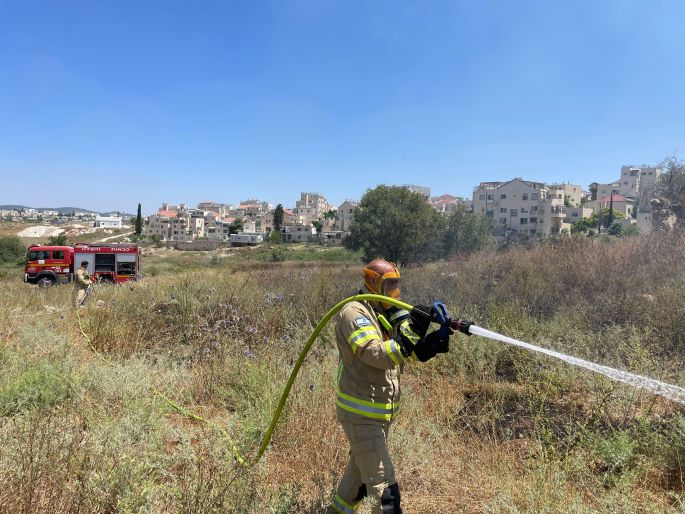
(246, 239)
(108, 221)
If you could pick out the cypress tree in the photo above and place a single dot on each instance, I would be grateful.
(139, 222)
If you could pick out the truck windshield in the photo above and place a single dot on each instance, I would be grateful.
(38, 255)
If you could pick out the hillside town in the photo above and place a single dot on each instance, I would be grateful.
(515, 207)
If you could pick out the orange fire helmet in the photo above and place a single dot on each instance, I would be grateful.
(382, 277)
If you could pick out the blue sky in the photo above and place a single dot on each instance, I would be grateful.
(107, 104)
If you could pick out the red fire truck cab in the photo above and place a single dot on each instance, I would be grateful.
(114, 263)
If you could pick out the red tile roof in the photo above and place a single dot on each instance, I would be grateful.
(617, 198)
(167, 214)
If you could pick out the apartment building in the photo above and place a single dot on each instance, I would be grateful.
(522, 206)
(251, 208)
(570, 193)
(218, 208)
(159, 225)
(311, 207)
(636, 182)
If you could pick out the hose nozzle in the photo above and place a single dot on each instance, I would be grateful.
(462, 325)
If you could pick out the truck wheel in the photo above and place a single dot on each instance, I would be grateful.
(46, 282)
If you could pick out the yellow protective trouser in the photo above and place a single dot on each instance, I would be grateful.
(369, 464)
(80, 295)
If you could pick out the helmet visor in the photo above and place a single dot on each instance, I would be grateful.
(391, 287)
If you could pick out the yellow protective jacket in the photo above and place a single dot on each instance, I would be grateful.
(81, 279)
(371, 362)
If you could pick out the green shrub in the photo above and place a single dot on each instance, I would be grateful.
(12, 250)
(41, 384)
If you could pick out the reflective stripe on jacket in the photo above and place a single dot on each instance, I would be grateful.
(368, 382)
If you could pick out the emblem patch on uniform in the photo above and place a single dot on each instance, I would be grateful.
(361, 321)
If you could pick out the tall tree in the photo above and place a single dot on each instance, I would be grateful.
(610, 217)
(396, 224)
(466, 232)
(671, 185)
(139, 222)
(278, 217)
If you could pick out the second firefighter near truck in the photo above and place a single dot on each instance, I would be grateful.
(375, 341)
(82, 284)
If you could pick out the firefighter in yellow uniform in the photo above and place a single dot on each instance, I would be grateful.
(375, 340)
(81, 283)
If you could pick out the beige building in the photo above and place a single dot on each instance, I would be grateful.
(636, 182)
(267, 220)
(344, 215)
(158, 225)
(311, 207)
(574, 214)
(570, 193)
(620, 204)
(522, 206)
(218, 208)
(298, 232)
(251, 209)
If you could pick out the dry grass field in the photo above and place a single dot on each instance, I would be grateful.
(485, 428)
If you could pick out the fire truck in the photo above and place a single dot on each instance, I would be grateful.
(112, 263)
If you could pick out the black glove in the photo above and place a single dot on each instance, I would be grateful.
(433, 344)
(421, 316)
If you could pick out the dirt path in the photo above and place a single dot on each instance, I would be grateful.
(114, 237)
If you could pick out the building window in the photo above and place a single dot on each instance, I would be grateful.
(489, 197)
(523, 221)
(503, 197)
(503, 210)
(525, 196)
(574, 214)
(503, 221)
(534, 196)
(534, 208)
(488, 213)
(514, 213)
(481, 197)
(533, 219)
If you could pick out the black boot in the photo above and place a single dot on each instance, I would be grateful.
(390, 500)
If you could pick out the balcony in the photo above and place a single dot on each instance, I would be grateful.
(558, 211)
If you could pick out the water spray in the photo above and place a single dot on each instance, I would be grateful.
(439, 315)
